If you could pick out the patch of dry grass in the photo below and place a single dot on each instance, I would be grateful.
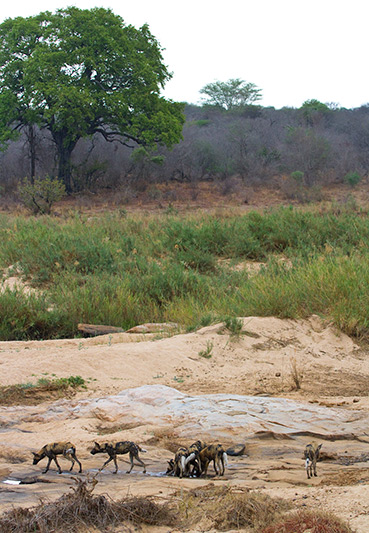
(309, 521)
(224, 508)
(296, 374)
(79, 510)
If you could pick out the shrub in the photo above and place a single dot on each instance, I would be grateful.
(298, 176)
(352, 178)
(40, 195)
(207, 353)
(234, 325)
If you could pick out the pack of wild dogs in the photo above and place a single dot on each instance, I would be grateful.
(191, 461)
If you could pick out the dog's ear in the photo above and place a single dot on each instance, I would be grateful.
(33, 453)
(97, 444)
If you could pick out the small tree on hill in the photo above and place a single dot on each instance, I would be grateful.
(231, 94)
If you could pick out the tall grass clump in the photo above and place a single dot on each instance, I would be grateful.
(27, 316)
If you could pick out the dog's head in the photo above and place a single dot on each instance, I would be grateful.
(97, 448)
(37, 457)
(170, 469)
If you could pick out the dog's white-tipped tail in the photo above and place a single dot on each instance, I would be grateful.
(307, 462)
(189, 458)
(183, 463)
(225, 458)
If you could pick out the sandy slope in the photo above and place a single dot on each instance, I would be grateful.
(260, 362)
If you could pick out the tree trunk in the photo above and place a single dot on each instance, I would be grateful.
(64, 150)
(31, 138)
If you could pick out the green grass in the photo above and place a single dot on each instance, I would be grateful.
(127, 270)
(33, 393)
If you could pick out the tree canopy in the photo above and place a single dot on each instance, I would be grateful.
(231, 94)
(81, 72)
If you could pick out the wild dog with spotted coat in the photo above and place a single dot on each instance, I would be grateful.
(186, 460)
(66, 449)
(215, 453)
(119, 448)
(311, 456)
(177, 466)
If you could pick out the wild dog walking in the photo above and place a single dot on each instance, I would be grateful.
(67, 449)
(311, 456)
(215, 453)
(119, 448)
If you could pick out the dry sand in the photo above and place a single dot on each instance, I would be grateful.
(333, 407)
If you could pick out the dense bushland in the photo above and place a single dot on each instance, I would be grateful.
(308, 147)
(191, 269)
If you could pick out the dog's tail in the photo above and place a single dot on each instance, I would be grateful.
(182, 465)
(141, 449)
(225, 458)
(189, 458)
(70, 451)
(307, 462)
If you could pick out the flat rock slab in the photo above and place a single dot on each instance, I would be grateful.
(211, 416)
(153, 327)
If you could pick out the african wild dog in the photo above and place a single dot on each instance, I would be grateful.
(215, 453)
(119, 448)
(177, 466)
(67, 449)
(193, 460)
(186, 460)
(311, 456)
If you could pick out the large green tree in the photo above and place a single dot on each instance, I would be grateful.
(81, 72)
(231, 94)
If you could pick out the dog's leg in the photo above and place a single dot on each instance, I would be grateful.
(57, 464)
(48, 465)
(307, 466)
(106, 462)
(74, 458)
(182, 466)
(314, 466)
(79, 463)
(70, 458)
(116, 464)
(141, 463)
(206, 465)
(131, 459)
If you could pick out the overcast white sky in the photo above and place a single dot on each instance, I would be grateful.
(293, 50)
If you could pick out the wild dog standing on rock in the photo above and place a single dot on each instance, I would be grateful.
(215, 453)
(67, 449)
(311, 456)
(119, 448)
